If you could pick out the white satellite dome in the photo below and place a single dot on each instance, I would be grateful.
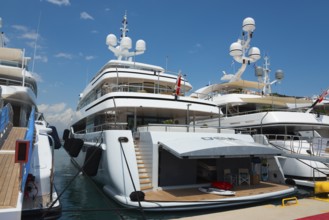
(254, 54)
(126, 43)
(140, 45)
(248, 24)
(236, 49)
(111, 40)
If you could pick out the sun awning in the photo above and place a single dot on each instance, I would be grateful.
(216, 146)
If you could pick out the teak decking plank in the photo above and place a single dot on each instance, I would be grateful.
(193, 194)
(9, 171)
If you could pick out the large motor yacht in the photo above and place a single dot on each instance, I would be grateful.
(134, 133)
(26, 144)
(292, 124)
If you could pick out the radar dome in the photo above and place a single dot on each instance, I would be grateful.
(259, 71)
(111, 40)
(236, 49)
(140, 45)
(254, 53)
(126, 43)
(279, 75)
(248, 24)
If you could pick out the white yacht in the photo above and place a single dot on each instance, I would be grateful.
(288, 122)
(134, 133)
(26, 144)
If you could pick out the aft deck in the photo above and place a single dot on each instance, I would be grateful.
(193, 194)
(9, 170)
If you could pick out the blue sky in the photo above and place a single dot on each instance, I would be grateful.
(193, 36)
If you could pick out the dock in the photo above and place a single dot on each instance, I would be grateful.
(10, 180)
(305, 209)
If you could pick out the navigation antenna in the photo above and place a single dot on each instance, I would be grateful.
(2, 39)
(263, 74)
(121, 51)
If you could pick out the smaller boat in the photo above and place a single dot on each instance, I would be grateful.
(216, 191)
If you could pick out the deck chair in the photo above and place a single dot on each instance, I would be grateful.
(244, 177)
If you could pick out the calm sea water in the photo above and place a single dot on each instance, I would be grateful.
(83, 199)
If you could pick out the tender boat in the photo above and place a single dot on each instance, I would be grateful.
(292, 124)
(134, 132)
(26, 144)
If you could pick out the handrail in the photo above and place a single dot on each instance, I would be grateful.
(30, 137)
(6, 117)
(105, 126)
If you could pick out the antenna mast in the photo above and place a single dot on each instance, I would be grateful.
(2, 40)
(121, 51)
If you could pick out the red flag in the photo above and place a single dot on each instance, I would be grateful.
(323, 95)
(178, 83)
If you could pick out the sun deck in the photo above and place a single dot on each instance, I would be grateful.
(9, 170)
(193, 194)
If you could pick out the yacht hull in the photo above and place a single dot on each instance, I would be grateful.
(119, 172)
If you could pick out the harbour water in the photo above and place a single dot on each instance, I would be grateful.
(83, 199)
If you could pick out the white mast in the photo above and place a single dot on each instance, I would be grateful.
(121, 51)
(241, 51)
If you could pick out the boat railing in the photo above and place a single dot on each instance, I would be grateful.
(240, 113)
(210, 96)
(316, 146)
(6, 122)
(105, 126)
(29, 136)
(142, 88)
(179, 128)
(12, 82)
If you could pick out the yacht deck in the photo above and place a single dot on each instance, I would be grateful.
(9, 170)
(193, 194)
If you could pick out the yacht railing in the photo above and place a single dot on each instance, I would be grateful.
(300, 145)
(30, 137)
(153, 127)
(155, 89)
(105, 126)
(179, 128)
(239, 113)
(6, 121)
(11, 82)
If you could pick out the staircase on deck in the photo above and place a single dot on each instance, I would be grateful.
(144, 163)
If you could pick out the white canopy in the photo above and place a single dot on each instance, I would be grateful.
(214, 145)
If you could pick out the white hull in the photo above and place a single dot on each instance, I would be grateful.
(115, 177)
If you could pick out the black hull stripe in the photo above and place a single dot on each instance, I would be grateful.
(149, 98)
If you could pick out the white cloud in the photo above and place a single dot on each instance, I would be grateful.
(84, 15)
(20, 28)
(58, 115)
(64, 55)
(196, 48)
(41, 58)
(90, 57)
(60, 2)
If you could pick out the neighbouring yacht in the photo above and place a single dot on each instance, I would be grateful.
(134, 133)
(26, 144)
(292, 124)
